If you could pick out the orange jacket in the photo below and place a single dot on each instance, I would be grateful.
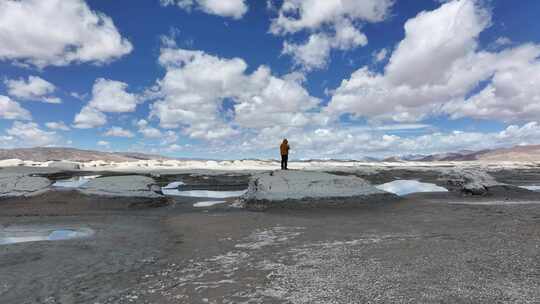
(284, 148)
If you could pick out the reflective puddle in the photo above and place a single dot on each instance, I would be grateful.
(404, 187)
(208, 204)
(532, 188)
(24, 235)
(172, 190)
(203, 193)
(74, 182)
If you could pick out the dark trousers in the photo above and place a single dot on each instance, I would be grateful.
(284, 160)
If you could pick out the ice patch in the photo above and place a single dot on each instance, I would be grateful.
(23, 235)
(208, 204)
(203, 193)
(532, 188)
(174, 185)
(74, 182)
(404, 187)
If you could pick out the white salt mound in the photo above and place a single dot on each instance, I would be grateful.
(11, 162)
(284, 185)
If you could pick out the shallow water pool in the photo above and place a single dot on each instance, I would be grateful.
(404, 187)
(172, 190)
(208, 204)
(203, 193)
(29, 234)
(532, 188)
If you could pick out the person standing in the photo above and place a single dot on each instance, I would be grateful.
(284, 149)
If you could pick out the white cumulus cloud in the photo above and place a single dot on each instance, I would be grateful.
(437, 65)
(380, 55)
(57, 125)
(108, 96)
(297, 15)
(118, 132)
(169, 138)
(111, 96)
(10, 109)
(57, 32)
(225, 8)
(104, 143)
(513, 93)
(211, 97)
(34, 88)
(314, 53)
(30, 135)
(333, 24)
(89, 118)
(338, 141)
(148, 131)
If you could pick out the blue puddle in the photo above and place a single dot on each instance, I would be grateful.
(25, 235)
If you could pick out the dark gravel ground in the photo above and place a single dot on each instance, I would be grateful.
(519, 177)
(425, 248)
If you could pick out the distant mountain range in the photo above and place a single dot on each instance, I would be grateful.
(70, 154)
(518, 153)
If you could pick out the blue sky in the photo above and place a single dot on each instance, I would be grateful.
(230, 79)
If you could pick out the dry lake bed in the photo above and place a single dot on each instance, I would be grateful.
(76, 240)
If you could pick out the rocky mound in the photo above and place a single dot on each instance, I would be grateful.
(67, 203)
(128, 185)
(17, 185)
(300, 189)
(13, 185)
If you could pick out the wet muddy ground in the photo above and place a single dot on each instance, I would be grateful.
(424, 248)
